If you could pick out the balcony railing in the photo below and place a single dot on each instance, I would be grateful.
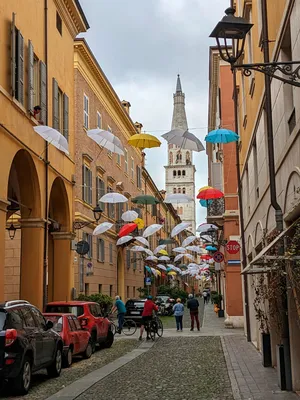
(216, 207)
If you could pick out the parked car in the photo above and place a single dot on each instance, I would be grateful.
(165, 304)
(134, 309)
(27, 344)
(90, 318)
(77, 341)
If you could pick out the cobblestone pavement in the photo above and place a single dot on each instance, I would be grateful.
(173, 369)
(43, 387)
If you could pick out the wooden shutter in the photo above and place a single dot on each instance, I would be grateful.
(30, 104)
(43, 92)
(13, 55)
(20, 69)
(97, 189)
(101, 193)
(55, 106)
(91, 245)
(90, 186)
(128, 258)
(66, 116)
(102, 250)
(83, 182)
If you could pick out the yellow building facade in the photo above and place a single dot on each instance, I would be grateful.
(36, 189)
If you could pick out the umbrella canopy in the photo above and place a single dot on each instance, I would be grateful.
(189, 257)
(179, 228)
(140, 223)
(205, 227)
(137, 248)
(179, 250)
(196, 249)
(163, 252)
(142, 240)
(171, 266)
(126, 229)
(166, 241)
(124, 239)
(53, 137)
(144, 141)
(188, 240)
(178, 198)
(148, 269)
(113, 198)
(211, 248)
(145, 199)
(205, 257)
(209, 194)
(159, 248)
(205, 203)
(129, 216)
(151, 258)
(204, 187)
(221, 136)
(158, 272)
(107, 140)
(164, 258)
(172, 273)
(161, 266)
(178, 257)
(151, 230)
(149, 252)
(101, 228)
(184, 139)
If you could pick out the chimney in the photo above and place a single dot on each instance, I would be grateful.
(138, 126)
(126, 105)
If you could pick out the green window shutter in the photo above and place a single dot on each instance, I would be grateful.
(90, 188)
(20, 69)
(55, 107)
(97, 189)
(101, 193)
(128, 258)
(66, 116)
(83, 182)
(13, 55)
(102, 250)
(43, 92)
(30, 104)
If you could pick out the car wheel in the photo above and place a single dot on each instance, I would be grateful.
(68, 358)
(55, 368)
(22, 382)
(89, 350)
(109, 340)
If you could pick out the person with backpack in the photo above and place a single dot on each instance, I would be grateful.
(193, 306)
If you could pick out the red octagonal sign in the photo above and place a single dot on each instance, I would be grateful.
(233, 247)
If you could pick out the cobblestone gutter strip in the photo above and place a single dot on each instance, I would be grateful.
(78, 387)
(233, 381)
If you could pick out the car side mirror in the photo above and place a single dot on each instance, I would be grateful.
(49, 324)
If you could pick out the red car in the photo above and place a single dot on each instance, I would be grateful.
(77, 341)
(90, 317)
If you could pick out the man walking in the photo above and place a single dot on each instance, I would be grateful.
(120, 306)
(205, 297)
(193, 306)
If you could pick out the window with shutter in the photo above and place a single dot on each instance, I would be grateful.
(110, 253)
(109, 153)
(66, 116)
(110, 206)
(100, 250)
(134, 261)
(19, 68)
(99, 120)
(154, 210)
(132, 168)
(85, 111)
(13, 55)
(120, 210)
(55, 106)
(30, 104)
(88, 238)
(87, 191)
(128, 258)
(43, 92)
(126, 160)
(100, 191)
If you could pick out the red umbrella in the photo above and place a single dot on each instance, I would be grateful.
(126, 229)
(163, 275)
(209, 194)
(206, 257)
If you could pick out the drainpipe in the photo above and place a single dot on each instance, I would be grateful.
(45, 256)
(285, 335)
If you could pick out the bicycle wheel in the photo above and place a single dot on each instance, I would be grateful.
(129, 327)
(113, 328)
(160, 327)
(152, 330)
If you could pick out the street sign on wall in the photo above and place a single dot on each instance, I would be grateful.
(233, 247)
(218, 257)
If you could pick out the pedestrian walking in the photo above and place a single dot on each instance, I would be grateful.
(120, 307)
(178, 309)
(205, 297)
(193, 306)
(208, 297)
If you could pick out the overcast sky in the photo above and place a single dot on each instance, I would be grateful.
(142, 45)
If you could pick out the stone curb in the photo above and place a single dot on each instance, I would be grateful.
(233, 381)
(75, 389)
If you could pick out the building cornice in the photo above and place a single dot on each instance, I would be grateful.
(72, 16)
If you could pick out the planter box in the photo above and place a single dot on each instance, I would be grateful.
(281, 366)
(221, 313)
(266, 350)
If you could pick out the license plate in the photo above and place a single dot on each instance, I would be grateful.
(135, 313)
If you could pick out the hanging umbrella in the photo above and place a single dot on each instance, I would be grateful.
(189, 257)
(178, 198)
(172, 273)
(101, 228)
(126, 229)
(205, 203)
(196, 249)
(188, 240)
(179, 250)
(151, 230)
(124, 239)
(158, 272)
(151, 258)
(171, 266)
(221, 136)
(113, 198)
(164, 258)
(206, 227)
(142, 240)
(161, 266)
(193, 265)
(107, 140)
(129, 216)
(178, 257)
(209, 194)
(149, 252)
(52, 136)
(145, 199)
(163, 252)
(140, 223)
(148, 269)
(184, 139)
(204, 187)
(205, 257)
(158, 248)
(179, 228)
(137, 248)
(154, 271)
(144, 141)
(211, 248)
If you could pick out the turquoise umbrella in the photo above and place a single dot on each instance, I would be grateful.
(222, 136)
(148, 269)
(205, 203)
(169, 269)
(211, 248)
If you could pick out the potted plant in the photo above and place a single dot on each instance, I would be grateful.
(217, 299)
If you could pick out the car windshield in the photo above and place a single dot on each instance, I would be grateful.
(57, 322)
(2, 319)
(163, 298)
(64, 309)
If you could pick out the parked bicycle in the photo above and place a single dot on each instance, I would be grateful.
(129, 327)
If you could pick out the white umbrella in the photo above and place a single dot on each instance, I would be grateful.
(142, 240)
(196, 249)
(188, 240)
(107, 140)
(113, 198)
(151, 258)
(189, 257)
(193, 265)
(53, 137)
(124, 239)
(179, 228)
(147, 251)
(179, 257)
(137, 248)
(151, 230)
(129, 216)
(158, 248)
(179, 250)
(161, 266)
(101, 228)
(184, 139)
(178, 198)
(205, 227)
(171, 266)
(164, 258)
(154, 272)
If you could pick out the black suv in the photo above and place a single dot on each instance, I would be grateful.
(27, 344)
(134, 309)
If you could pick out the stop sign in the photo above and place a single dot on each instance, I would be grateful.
(233, 247)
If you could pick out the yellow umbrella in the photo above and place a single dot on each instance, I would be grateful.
(204, 188)
(158, 272)
(140, 223)
(144, 141)
(163, 252)
(172, 273)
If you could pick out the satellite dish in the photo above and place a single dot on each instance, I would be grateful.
(82, 247)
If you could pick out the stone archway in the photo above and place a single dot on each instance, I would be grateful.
(120, 275)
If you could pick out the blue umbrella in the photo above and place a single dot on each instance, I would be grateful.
(222, 136)
(211, 248)
(205, 203)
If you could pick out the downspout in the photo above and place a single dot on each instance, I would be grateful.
(45, 266)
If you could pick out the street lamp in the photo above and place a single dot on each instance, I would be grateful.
(11, 231)
(97, 211)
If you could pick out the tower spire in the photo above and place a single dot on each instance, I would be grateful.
(178, 85)
(179, 120)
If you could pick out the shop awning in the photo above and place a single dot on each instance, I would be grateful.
(262, 261)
